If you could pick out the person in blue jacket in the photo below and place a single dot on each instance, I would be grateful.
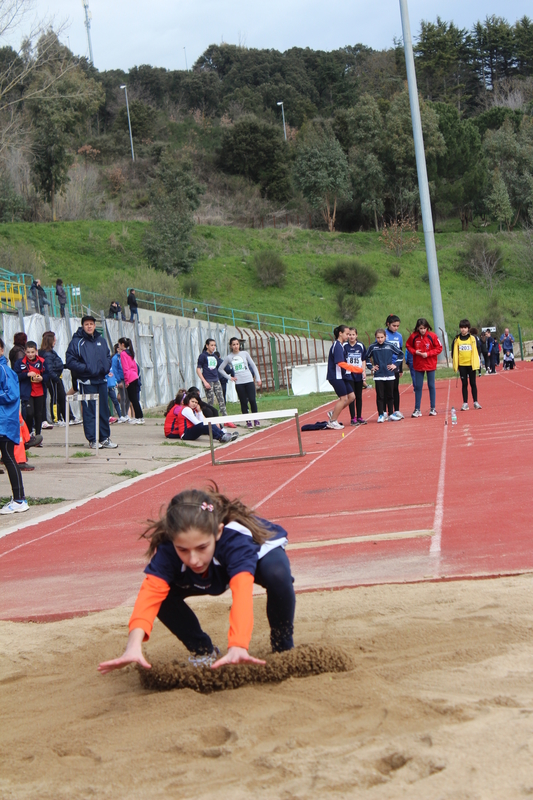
(382, 354)
(116, 369)
(392, 324)
(335, 376)
(89, 358)
(10, 433)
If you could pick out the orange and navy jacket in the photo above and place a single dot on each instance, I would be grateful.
(233, 566)
(172, 421)
(24, 368)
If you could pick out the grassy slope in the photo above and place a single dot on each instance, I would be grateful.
(89, 252)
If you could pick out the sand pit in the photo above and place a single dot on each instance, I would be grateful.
(303, 661)
(439, 705)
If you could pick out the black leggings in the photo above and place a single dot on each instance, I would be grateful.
(57, 397)
(384, 396)
(396, 391)
(246, 394)
(466, 373)
(7, 448)
(358, 404)
(33, 413)
(273, 573)
(133, 395)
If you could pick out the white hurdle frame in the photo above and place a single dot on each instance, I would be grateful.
(72, 398)
(221, 421)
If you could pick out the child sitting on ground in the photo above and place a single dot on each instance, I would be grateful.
(172, 413)
(508, 360)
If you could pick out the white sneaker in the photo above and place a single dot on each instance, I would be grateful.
(395, 417)
(132, 421)
(75, 422)
(416, 413)
(61, 424)
(432, 412)
(476, 405)
(94, 446)
(335, 426)
(464, 407)
(14, 507)
(399, 415)
(107, 444)
(140, 421)
(47, 425)
(125, 418)
(381, 418)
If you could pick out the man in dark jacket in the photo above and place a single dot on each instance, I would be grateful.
(89, 358)
(132, 302)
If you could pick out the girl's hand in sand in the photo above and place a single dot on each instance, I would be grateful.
(133, 654)
(237, 655)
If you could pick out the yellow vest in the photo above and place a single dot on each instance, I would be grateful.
(465, 353)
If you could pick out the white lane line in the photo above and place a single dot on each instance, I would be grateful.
(515, 383)
(439, 504)
(353, 513)
(376, 537)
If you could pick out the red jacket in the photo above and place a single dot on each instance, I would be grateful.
(173, 420)
(430, 344)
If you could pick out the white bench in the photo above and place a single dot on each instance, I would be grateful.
(221, 421)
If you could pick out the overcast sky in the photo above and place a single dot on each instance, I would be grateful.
(126, 33)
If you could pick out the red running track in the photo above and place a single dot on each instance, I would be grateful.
(406, 501)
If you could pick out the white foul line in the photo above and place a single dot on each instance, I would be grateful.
(439, 504)
(374, 537)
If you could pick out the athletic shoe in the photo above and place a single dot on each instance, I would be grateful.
(107, 444)
(14, 507)
(234, 435)
(125, 418)
(394, 417)
(432, 412)
(354, 422)
(464, 407)
(75, 421)
(132, 421)
(476, 405)
(205, 660)
(249, 424)
(46, 425)
(33, 441)
(26, 467)
(399, 415)
(230, 425)
(386, 416)
(95, 446)
(226, 437)
(112, 420)
(381, 418)
(61, 423)
(334, 425)
(361, 421)
(40, 444)
(140, 421)
(257, 424)
(416, 413)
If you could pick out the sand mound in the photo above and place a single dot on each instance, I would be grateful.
(298, 663)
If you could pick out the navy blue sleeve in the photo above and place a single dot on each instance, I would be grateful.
(165, 564)
(202, 361)
(236, 552)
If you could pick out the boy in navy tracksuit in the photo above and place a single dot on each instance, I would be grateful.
(386, 356)
(355, 354)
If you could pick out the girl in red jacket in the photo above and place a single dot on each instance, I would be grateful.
(203, 543)
(425, 346)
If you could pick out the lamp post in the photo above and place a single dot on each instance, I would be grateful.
(423, 185)
(186, 67)
(123, 86)
(283, 114)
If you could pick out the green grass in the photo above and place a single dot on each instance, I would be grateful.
(106, 257)
(36, 501)
(81, 454)
(127, 473)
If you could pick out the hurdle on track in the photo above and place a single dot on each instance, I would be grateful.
(72, 398)
(289, 412)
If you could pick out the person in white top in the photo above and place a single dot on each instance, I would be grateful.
(244, 372)
(192, 424)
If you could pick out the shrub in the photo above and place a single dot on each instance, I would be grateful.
(354, 277)
(482, 262)
(270, 268)
(395, 271)
(400, 237)
(348, 305)
(191, 287)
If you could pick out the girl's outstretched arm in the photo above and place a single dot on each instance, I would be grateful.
(133, 654)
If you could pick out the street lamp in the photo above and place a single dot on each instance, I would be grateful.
(123, 86)
(186, 67)
(283, 113)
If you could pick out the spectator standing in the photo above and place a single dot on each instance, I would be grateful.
(89, 359)
(114, 310)
(465, 357)
(18, 350)
(425, 346)
(54, 382)
(484, 349)
(61, 296)
(10, 433)
(132, 302)
(116, 368)
(207, 371)
(494, 353)
(32, 375)
(131, 378)
(507, 342)
(38, 296)
(244, 372)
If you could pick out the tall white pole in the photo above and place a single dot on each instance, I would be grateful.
(423, 185)
(283, 115)
(129, 120)
(88, 26)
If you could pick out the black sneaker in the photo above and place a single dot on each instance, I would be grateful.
(33, 441)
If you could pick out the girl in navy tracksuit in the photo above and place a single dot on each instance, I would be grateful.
(335, 375)
(355, 354)
(382, 353)
(202, 545)
(393, 335)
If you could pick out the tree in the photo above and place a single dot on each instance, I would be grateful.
(498, 201)
(175, 195)
(510, 155)
(483, 262)
(322, 175)
(256, 150)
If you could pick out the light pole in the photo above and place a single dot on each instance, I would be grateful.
(186, 67)
(129, 120)
(283, 114)
(423, 185)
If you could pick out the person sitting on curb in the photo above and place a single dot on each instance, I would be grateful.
(89, 358)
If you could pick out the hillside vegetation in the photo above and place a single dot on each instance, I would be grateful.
(105, 258)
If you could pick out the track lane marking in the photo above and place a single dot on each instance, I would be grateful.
(439, 504)
(353, 513)
(376, 537)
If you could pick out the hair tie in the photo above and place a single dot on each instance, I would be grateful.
(207, 507)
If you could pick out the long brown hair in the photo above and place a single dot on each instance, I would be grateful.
(176, 401)
(47, 342)
(203, 510)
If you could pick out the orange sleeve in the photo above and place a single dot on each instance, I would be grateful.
(241, 616)
(151, 594)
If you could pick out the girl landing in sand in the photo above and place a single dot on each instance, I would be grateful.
(204, 544)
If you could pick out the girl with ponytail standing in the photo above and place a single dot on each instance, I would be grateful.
(131, 378)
